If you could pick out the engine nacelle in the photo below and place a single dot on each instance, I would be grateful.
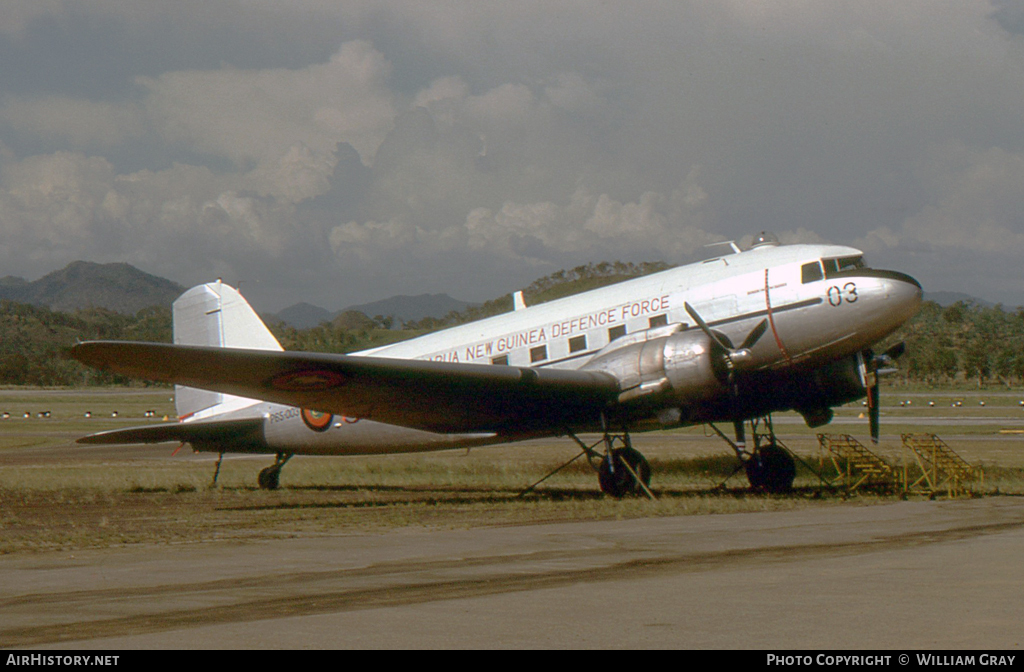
(833, 384)
(664, 363)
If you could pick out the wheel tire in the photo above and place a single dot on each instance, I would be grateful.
(269, 478)
(618, 482)
(771, 469)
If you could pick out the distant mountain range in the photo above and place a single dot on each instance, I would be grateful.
(125, 289)
(84, 284)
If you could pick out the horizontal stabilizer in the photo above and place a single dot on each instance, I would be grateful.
(244, 430)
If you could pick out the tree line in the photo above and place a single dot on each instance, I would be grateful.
(34, 341)
(963, 342)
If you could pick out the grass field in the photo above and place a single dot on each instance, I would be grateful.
(55, 494)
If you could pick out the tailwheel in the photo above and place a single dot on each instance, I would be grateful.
(269, 477)
(620, 470)
(771, 468)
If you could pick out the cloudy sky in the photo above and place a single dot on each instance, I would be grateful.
(341, 152)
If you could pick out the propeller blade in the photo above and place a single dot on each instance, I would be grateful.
(716, 337)
(868, 364)
(873, 410)
(873, 420)
(896, 351)
(752, 338)
(875, 366)
(755, 335)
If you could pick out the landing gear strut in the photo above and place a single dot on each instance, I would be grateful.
(620, 471)
(624, 471)
(769, 466)
(269, 477)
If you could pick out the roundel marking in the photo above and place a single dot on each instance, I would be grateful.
(317, 421)
(307, 380)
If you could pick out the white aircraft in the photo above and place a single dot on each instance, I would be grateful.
(729, 339)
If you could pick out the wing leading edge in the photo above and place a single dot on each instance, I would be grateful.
(435, 396)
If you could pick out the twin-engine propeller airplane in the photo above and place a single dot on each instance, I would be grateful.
(729, 339)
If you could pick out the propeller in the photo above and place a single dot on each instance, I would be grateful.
(734, 357)
(873, 366)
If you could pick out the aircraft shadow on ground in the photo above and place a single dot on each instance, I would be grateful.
(477, 496)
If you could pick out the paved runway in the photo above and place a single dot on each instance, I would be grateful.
(943, 574)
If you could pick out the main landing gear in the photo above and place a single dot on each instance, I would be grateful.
(769, 466)
(622, 471)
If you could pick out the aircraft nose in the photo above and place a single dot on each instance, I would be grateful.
(903, 295)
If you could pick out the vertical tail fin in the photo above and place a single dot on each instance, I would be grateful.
(216, 315)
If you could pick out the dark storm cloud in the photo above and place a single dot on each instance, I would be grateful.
(1009, 14)
(98, 56)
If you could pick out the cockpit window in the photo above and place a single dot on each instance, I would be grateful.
(850, 263)
(810, 272)
(833, 266)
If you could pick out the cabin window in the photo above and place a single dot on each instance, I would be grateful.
(577, 343)
(811, 272)
(616, 332)
(500, 359)
(831, 267)
(658, 321)
(538, 354)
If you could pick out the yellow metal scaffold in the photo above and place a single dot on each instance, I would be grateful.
(939, 465)
(855, 466)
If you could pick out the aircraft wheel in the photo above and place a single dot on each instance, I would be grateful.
(771, 469)
(618, 482)
(268, 478)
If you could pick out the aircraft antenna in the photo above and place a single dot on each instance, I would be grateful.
(731, 243)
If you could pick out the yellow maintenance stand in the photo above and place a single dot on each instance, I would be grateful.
(929, 467)
(855, 466)
(938, 467)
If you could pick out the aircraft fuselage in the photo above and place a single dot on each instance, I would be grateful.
(821, 307)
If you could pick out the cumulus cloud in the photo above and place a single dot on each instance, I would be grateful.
(977, 205)
(981, 211)
(182, 222)
(252, 115)
(587, 226)
(80, 123)
(51, 202)
(299, 174)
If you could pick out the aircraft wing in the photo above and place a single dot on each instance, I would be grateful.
(436, 396)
